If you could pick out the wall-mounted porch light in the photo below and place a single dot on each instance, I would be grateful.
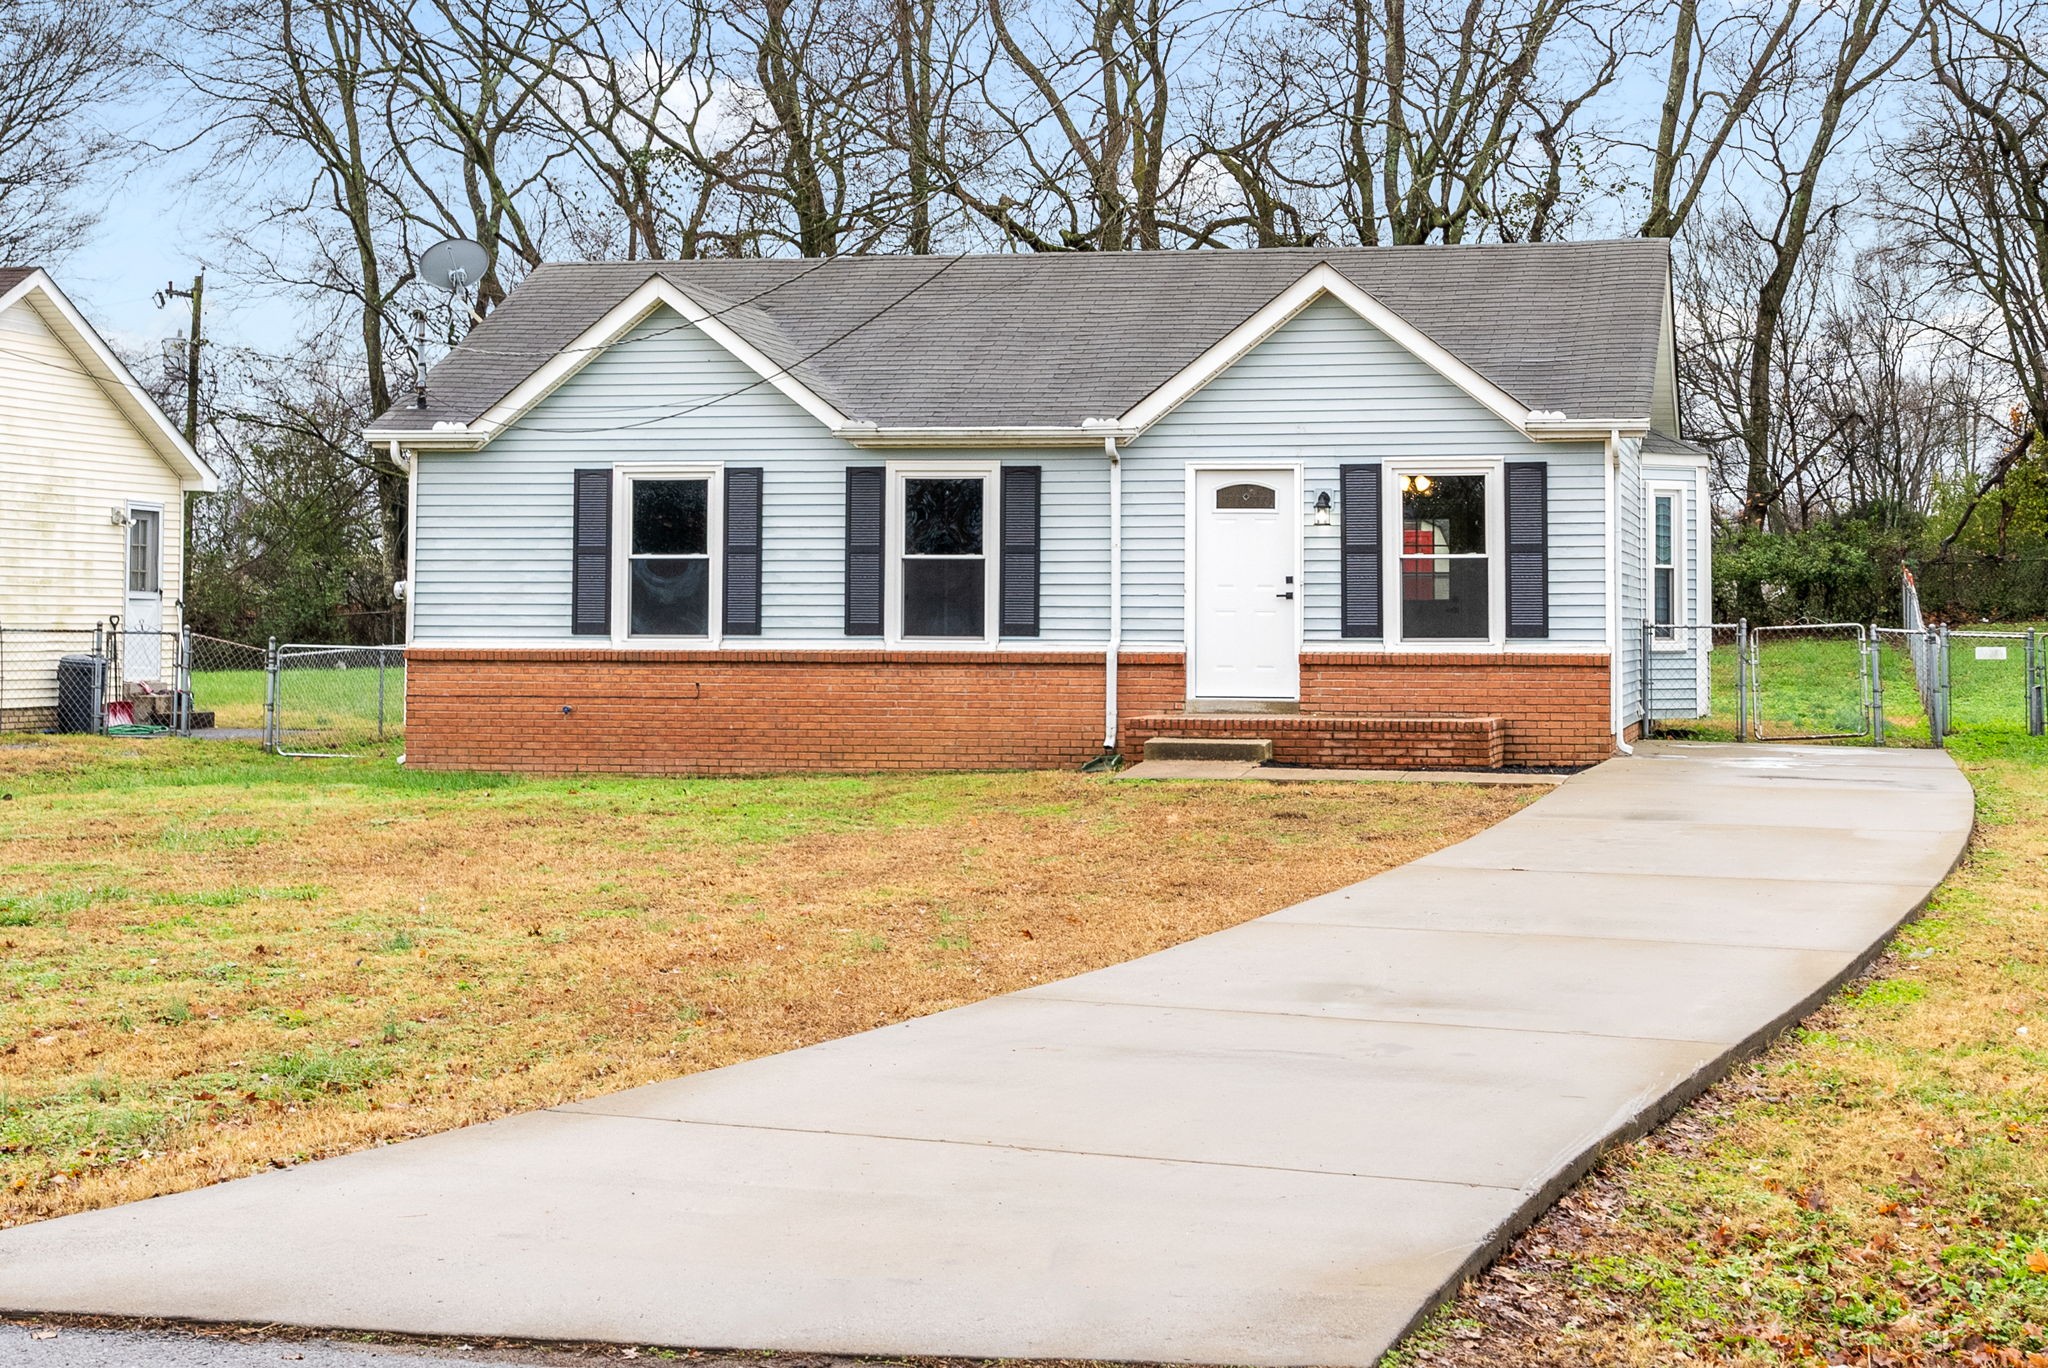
(1322, 518)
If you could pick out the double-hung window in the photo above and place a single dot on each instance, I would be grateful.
(1667, 538)
(944, 585)
(669, 571)
(1446, 557)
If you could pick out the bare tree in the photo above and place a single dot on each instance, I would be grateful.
(1966, 191)
(1784, 194)
(64, 61)
(1449, 120)
(1718, 66)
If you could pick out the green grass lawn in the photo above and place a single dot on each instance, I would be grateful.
(234, 697)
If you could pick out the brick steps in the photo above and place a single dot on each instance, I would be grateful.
(1332, 740)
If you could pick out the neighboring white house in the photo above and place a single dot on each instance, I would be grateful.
(93, 479)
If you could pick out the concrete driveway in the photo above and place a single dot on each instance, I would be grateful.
(1279, 1144)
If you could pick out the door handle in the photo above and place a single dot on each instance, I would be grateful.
(1288, 595)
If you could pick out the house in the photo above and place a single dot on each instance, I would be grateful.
(1379, 506)
(93, 480)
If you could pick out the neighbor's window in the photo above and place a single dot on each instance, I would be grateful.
(669, 562)
(1444, 569)
(145, 550)
(1664, 567)
(945, 560)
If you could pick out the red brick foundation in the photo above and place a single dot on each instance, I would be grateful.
(766, 711)
(1555, 704)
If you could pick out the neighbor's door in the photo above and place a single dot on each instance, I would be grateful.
(1246, 602)
(143, 622)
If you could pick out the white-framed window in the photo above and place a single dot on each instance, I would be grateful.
(665, 543)
(1667, 564)
(1445, 533)
(942, 581)
(145, 550)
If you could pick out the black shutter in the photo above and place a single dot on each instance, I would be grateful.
(1528, 548)
(743, 551)
(864, 486)
(1360, 496)
(590, 595)
(1020, 552)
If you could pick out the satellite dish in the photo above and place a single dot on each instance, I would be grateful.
(453, 265)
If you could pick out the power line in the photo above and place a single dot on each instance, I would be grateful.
(951, 262)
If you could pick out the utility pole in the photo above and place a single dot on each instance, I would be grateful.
(193, 339)
(197, 295)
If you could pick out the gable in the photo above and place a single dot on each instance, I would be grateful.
(1327, 372)
(68, 346)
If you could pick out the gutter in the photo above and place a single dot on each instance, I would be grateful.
(1116, 592)
(450, 436)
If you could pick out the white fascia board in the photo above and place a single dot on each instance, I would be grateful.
(591, 343)
(867, 435)
(1584, 429)
(91, 351)
(1327, 280)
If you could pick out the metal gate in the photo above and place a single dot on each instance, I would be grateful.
(1810, 682)
(332, 700)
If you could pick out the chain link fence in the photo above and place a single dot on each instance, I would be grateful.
(229, 683)
(333, 700)
(1694, 682)
(297, 699)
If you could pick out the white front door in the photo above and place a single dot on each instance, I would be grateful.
(142, 648)
(1246, 601)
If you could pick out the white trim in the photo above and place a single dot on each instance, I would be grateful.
(412, 535)
(1703, 512)
(1493, 469)
(101, 365)
(1513, 646)
(1113, 649)
(1681, 563)
(623, 477)
(1190, 513)
(1093, 646)
(990, 473)
(1323, 280)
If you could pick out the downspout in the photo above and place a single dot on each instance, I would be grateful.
(1614, 654)
(1116, 591)
(412, 503)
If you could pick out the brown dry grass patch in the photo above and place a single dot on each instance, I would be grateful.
(212, 961)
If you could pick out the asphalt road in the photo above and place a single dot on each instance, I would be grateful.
(42, 1345)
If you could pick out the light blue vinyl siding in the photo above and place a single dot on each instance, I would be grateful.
(491, 555)
(1325, 390)
(491, 540)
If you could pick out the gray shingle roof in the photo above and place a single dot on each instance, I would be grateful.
(11, 276)
(1662, 444)
(1051, 340)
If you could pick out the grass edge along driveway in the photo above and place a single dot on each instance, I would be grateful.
(213, 960)
(1873, 1190)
